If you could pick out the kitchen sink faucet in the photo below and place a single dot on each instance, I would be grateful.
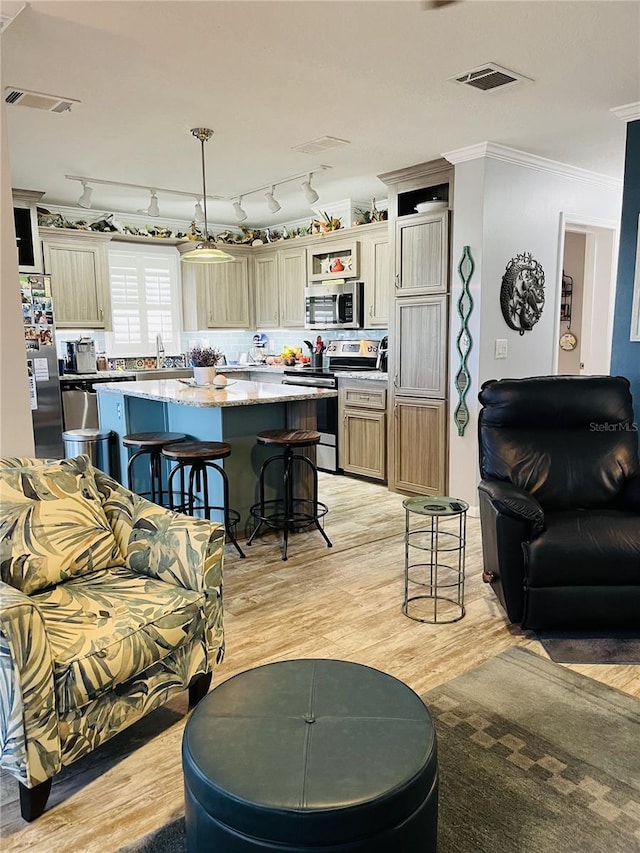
(159, 351)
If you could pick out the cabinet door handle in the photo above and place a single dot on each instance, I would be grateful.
(101, 314)
(371, 312)
(397, 280)
(395, 381)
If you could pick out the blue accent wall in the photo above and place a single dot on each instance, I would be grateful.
(625, 354)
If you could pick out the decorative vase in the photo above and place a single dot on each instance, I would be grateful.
(204, 375)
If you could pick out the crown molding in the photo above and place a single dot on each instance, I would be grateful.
(494, 151)
(628, 112)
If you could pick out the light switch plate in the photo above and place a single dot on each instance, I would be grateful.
(501, 348)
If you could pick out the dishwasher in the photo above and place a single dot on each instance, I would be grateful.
(80, 401)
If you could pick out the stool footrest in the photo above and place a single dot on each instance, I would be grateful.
(304, 513)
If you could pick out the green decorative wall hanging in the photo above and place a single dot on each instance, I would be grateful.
(464, 340)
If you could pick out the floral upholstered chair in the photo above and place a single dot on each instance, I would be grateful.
(110, 605)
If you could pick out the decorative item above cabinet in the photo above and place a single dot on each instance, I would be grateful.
(338, 260)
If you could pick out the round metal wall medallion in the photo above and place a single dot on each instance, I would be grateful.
(522, 293)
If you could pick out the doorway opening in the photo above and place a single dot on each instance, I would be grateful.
(586, 295)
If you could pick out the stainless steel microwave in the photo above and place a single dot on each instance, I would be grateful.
(334, 305)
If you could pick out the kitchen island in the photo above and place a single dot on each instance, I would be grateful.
(233, 414)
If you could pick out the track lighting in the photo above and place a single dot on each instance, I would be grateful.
(198, 213)
(239, 211)
(153, 209)
(309, 193)
(272, 204)
(85, 198)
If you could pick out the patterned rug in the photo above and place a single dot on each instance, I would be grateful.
(533, 759)
(593, 647)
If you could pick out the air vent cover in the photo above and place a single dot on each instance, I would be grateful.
(489, 76)
(38, 100)
(317, 146)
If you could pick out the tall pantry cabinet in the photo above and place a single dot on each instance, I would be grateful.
(418, 369)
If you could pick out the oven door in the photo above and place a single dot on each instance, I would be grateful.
(327, 421)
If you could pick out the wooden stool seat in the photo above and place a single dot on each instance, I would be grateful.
(150, 444)
(152, 439)
(294, 437)
(197, 450)
(198, 458)
(292, 512)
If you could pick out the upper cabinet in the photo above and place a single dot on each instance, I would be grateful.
(26, 225)
(278, 287)
(79, 267)
(422, 251)
(216, 296)
(376, 272)
(330, 259)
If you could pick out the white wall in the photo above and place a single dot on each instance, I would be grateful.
(522, 209)
(16, 425)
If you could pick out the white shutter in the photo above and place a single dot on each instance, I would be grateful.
(145, 300)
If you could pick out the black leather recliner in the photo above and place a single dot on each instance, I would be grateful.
(560, 500)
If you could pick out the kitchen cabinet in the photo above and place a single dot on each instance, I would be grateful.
(79, 267)
(418, 446)
(216, 296)
(420, 336)
(278, 287)
(419, 329)
(421, 253)
(377, 275)
(362, 427)
(333, 259)
(26, 224)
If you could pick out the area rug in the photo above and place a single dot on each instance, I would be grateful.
(592, 647)
(533, 758)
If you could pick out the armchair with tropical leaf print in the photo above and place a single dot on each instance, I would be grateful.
(109, 606)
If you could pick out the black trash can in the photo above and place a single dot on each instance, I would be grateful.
(97, 444)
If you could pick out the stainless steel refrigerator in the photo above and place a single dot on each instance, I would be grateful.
(42, 362)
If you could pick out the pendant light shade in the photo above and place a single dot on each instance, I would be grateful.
(205, 251)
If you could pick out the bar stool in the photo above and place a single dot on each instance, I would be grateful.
(151, 444)
(290, 513)
(200, 456)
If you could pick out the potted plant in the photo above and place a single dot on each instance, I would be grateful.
(204, 360)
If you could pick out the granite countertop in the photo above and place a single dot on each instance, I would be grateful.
(103, 375)
(375, 375)
(238, 393)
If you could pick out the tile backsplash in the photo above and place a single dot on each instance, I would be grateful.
(232, 343)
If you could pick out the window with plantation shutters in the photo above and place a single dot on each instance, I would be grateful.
(145, 300)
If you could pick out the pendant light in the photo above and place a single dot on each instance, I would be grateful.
(205, 252)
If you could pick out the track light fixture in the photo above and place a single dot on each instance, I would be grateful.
(205, 251)
(239, 211)
(309, 193)
(153, 209)
(272, 204)
(198, 212)
(85, 198)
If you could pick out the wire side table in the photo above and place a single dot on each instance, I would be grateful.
(434, 554)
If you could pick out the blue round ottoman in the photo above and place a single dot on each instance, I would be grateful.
(311, 756)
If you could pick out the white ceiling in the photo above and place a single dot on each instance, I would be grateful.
(271, 75)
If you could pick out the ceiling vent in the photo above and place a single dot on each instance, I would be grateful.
(488, 77)
(318, 146)
(38, 100)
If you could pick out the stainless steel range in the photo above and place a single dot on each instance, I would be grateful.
(343, 356)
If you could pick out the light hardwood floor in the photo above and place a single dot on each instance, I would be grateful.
(342, 602)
